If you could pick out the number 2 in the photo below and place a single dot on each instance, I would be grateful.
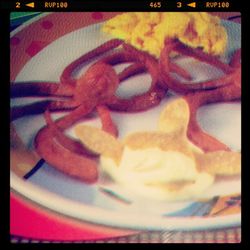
(18, 5)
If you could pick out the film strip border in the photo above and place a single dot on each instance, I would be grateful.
(111, 5)
(232, 235)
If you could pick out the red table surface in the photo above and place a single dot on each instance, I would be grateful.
(32, 221)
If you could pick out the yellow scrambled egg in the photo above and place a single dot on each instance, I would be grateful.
(147, 30)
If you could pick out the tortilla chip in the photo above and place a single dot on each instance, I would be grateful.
(161, 140)
(220, 162)
(99, 141)
(174, 117)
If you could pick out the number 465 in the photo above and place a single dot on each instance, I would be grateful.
(155, 5)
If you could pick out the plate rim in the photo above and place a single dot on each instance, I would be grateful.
(27, 23)
(170, 223)
(97, 215)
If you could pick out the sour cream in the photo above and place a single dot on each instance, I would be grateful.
(158, 174)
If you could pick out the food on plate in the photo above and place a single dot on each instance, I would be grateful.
(230, 92)
(145, 63)
(161, 164)
(62, 152)
(174, 117)
(73, 163)
(186, 160)
(96, 140)
(70, 88)
(185, 87)
(220, 162)
(147, 30)
(106, 119)
(67, 74)
(97, 85)
(69, 143)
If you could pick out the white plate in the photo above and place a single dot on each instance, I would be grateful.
(70, 197)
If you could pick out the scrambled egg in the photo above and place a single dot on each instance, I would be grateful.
(147, 30)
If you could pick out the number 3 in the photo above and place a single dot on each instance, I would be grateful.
(179, 4)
